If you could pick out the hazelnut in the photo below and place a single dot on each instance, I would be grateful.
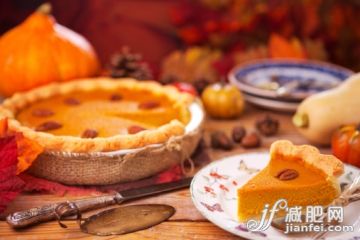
(267, 126)
(238, 134)
(251, 140)
(221, 141)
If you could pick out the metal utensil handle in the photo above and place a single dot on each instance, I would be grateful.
(48, 212)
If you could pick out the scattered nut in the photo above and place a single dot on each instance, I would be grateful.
(251, 140)
(42, 112)
(135, 129)
(90, 133)
(48, 126)
(287, 174)
(72, 101)
(149, 105)
(221, 141)
(238, 134)
(115, 97)
(267, 126)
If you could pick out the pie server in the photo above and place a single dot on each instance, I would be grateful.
(63, 209)
(126, 219)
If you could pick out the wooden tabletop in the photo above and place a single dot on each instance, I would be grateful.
(187, 223)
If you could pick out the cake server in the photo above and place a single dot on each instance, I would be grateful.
(69, 208)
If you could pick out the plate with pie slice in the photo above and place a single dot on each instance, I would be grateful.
(231, 191)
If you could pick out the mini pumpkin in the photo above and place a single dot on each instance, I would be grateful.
(345, 144)
(40, 51)
(223, 100)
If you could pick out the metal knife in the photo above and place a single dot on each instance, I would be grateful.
(63, 209)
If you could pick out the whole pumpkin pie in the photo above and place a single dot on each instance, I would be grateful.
(98, 114)
(298, 174)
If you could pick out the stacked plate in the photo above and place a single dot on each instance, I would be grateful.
(281, 84)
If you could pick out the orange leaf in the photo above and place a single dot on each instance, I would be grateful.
(28, 151)
(3, 127)
(280, 47)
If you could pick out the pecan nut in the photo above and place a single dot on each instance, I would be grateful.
(149, 105)
(116, 97)
(135, 129)
(42, 112)
(48, 126)
(287, 174)
(90, 133)
(72, 101)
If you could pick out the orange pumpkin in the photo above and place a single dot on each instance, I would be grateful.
(345, 144)
(40, 51)
(223, 101)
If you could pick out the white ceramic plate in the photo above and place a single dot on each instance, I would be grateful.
(312, 77)
(213, 191)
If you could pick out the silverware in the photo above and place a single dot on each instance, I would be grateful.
(63, 209)
(126, 219)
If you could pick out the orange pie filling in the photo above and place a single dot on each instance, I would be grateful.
(100, 113)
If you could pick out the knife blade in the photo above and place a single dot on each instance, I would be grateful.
(49, 212)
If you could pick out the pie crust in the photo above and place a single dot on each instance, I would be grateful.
(328, 164)
(50, 142)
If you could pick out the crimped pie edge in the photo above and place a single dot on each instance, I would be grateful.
(328, 164)
(51, 142)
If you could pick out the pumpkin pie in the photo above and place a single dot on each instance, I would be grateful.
(299, 174)
(98, 115)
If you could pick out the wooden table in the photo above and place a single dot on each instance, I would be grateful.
(187, 223)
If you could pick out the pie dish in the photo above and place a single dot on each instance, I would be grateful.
(98, 115)
(299, 174)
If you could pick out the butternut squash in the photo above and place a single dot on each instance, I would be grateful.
(321, 114)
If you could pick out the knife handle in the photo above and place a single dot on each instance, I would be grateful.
(51, 211)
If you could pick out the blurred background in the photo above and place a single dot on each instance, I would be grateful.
(234, 31)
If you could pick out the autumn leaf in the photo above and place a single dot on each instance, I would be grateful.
(10, 184)
(3, 127)
(28, 151)
(280, 47)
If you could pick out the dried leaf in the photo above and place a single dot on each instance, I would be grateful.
(28, 151)
(10, 184)
(280, 47)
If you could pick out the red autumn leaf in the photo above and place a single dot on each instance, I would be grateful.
(27, 149)
(34, 184)
(10, 184)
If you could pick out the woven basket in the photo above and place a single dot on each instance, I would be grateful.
(123, 165)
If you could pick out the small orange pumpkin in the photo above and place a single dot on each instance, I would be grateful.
(40, 51)
(223, 101)
(345, 144)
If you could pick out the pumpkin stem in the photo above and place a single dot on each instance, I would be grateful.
(222, 81)
(301, 120)
(358, 127)
(45, 8)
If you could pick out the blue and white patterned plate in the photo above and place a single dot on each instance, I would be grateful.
(213, 191)
(269, 78)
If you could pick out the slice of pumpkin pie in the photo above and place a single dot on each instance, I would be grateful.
(299, 174)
